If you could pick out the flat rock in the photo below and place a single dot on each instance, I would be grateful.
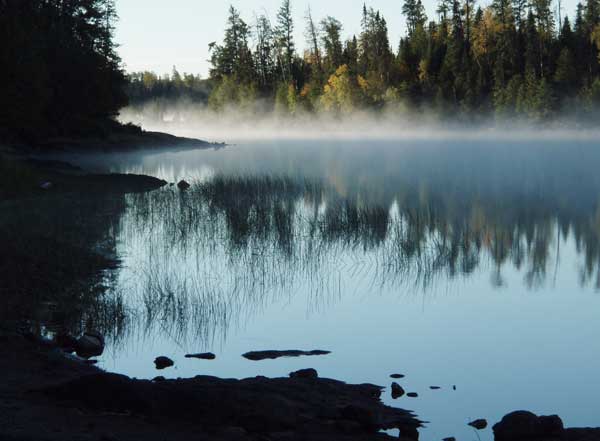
(271, 355)
(412, 394)
(202, 356)
(320, 409)
(434, 387)
(397, 376)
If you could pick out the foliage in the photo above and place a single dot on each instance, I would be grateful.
(60, 70)
(511, 57)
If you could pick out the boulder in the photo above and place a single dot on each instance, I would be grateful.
(305, 373)
(183, 185)
(412, 394)
(397, 391)
(523, 425)
(90, 344)
(163, 362)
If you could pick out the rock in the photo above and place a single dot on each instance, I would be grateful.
(183, 185)
(479, 424)
(91, 361)
(454, 387)
(523, 425)
(159, 378)
(409, 432)
(90, 344)
(305, 373)
(360, 414)
(163, 362)
(434, 387)
(203, 356)
(397, 391)
(450, 438)
(396, 376)
(271, 355)
(412, 394)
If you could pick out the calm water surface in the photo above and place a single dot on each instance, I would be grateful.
(471, 263)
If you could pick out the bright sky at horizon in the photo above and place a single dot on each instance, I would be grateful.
(157, 34)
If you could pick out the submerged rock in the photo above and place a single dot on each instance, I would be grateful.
(183, 185)
(203, 356)
(90, 344)
(163, 362)
(397, 391)
(305, 373)
(523, 425)
(479, 424)
(271, 355)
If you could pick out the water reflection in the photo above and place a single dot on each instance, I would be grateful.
(201, 261)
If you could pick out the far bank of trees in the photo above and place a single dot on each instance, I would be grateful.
(513, 57)
(60, 72)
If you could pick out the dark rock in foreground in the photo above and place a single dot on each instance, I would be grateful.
(523, 425)
(163, 362)
(203, 356)
(90, 344)
(479, 424)
(271, 355)
(306, 408)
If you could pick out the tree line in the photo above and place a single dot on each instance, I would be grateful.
(61, 74)
(513, 57)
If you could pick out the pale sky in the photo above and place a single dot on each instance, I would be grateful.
(158, 34)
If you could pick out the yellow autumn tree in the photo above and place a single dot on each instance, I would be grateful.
(341, 93)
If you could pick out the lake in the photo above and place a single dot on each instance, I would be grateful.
(470, 262)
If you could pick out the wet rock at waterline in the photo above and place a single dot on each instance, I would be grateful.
(202, 356)
(451, 438)
(159, 378)
(183, 185)
(319, 409)
(412, 394)
(397, 376)
(397, 391)
(271, 355)
(90, 344)
(163, 362)
(434, 387)
(523, 425)
(479, 424)
(305, 373)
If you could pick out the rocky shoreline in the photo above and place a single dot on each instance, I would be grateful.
(46, 395)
